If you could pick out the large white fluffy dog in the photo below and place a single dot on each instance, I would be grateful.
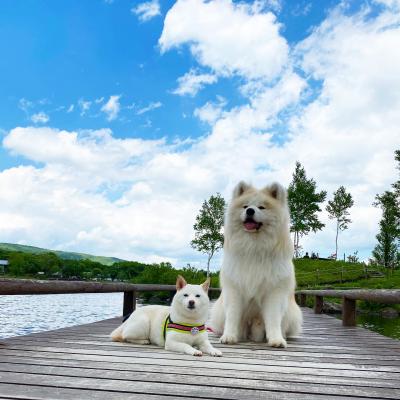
(257, 276)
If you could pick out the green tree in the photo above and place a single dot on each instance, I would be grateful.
(126, 270)
(338, 209)
(304, 201)
(18, 264)
(208, 227)
(71, 268)
(386, 251)
(49, 263)
(396, 187)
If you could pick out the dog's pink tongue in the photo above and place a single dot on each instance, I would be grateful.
(250, 225)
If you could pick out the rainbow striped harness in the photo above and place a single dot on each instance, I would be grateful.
(169, 325)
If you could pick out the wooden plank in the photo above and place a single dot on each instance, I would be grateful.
(337, 352)
(171, 358)
(155, 388)
(81, 361)
(16, 391)
(55, 372)
(345, 348)
(304, 339)
(228, 350)
(122, 354)
(228, 353)
(180, 370)
(390, 296)
(211, 365)
(34, 286)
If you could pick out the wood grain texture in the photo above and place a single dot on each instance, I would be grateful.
(327, 361)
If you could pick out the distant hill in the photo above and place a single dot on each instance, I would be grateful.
(66, 255)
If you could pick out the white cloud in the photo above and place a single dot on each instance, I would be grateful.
(275, 5)
(395, 4)
(84, 105)
(192, 82)
(211, 111)
(161, 187)
(147, 10)
(138, 198)
(40, 118)
(25, 104)
(87, 151)
(70, 108)
(230, 38)
(152, 106)
(112, 107)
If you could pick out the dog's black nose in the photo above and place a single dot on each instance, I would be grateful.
(250, 211)
(191, 303)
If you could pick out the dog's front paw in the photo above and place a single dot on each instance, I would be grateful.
(228, 339)
(280, 342)
(197, 353)
(215, 353)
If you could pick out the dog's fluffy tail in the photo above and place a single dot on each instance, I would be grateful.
(293, 320)
(217, 317)
(116, 335)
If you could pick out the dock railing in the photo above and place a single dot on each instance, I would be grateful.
(130, 290)
(349, 298)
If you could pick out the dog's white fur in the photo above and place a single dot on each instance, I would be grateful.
(146, 324)
(257, 277)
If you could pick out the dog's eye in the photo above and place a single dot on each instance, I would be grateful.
(261, 208)
(197, 295)
(186, 295)
(245, 206)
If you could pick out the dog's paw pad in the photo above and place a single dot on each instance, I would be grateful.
(277, 343)
(228, 339)
(216, 353)
(197, 353)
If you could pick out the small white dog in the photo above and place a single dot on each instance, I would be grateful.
(257, 276)
(179, 328)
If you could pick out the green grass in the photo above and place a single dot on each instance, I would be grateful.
(312, 273)
(388, 282)
(62, 254)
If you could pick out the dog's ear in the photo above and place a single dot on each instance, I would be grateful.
(277, 191)
(240, 188)
(206, 284)
(180, 282)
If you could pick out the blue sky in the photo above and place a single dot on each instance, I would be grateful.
(65, 51)
(106, 73)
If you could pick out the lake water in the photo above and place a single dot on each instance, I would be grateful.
(21, 315)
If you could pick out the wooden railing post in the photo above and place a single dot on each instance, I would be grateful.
(348, 312)
(129, 302)
(303, 299)
(319, 303)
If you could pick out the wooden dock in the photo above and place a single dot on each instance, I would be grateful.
(327, 362)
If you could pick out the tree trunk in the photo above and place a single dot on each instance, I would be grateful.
(337, 234)
(296, 244)
(208, 264)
